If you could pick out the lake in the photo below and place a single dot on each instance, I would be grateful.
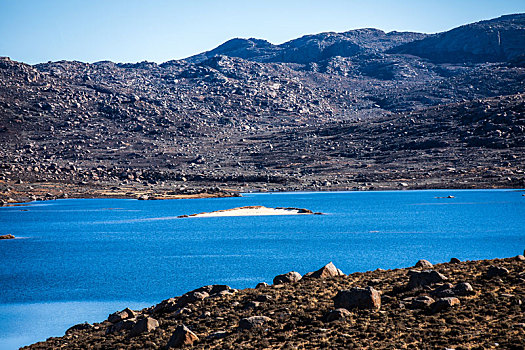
(80, 259)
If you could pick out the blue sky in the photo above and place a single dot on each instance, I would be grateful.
(35, 31)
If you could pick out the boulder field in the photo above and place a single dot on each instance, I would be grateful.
(455, 305)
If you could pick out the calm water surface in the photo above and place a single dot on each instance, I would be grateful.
(79, 260)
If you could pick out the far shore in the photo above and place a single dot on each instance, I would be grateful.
(45, 191)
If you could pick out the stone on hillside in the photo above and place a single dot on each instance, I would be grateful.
(121, 315)
(520, 258)
(251, 305)
(122, 325)
(329, 270)
(254, 321)
(337, 314)
(79, 327)
(289, 277)
(444, 304)
(424, 264)
(263, 298)
(181, 337)
(454, 261)
(496, 271)
(167, 305)
(361, 298)
(144, 325)
(421, 302)
(463, 289)
(420, 279)
(261, 285)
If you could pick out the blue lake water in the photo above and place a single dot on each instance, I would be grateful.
(81, 259)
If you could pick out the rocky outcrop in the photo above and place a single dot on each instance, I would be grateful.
(9, 236)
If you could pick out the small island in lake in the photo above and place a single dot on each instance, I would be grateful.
(7, 237)
(255, 210)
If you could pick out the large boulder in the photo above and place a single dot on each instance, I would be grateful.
(144, 325)
(360, 298)
(421, 279)
(496, 271)
(424, 264)
(329, 270)
(254, 321)
(289, 277)
(181, 337)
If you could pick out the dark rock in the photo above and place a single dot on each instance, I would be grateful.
(496, 271)
(361, 298)
(182, 336)
(251, 305)
(421, 279)
(337, 314)
(122, 325)
(261, 285)
(444, 304)
(79, 327)
(254, 321)
(9, 236)
(263, 298)
(167, 305)
(463, 289)
(454, 261)
(520, 258)
(144, 325)
(289, 277)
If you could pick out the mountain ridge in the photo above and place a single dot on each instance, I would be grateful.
(240, 124)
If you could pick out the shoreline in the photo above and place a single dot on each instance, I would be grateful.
(42, 191)
(460, 292)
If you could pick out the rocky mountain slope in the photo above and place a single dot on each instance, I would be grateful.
(497, 40)
(356, 110)
(456, 305)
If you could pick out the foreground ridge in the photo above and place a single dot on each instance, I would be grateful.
(459, 305)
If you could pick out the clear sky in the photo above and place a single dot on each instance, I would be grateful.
(35, 31)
